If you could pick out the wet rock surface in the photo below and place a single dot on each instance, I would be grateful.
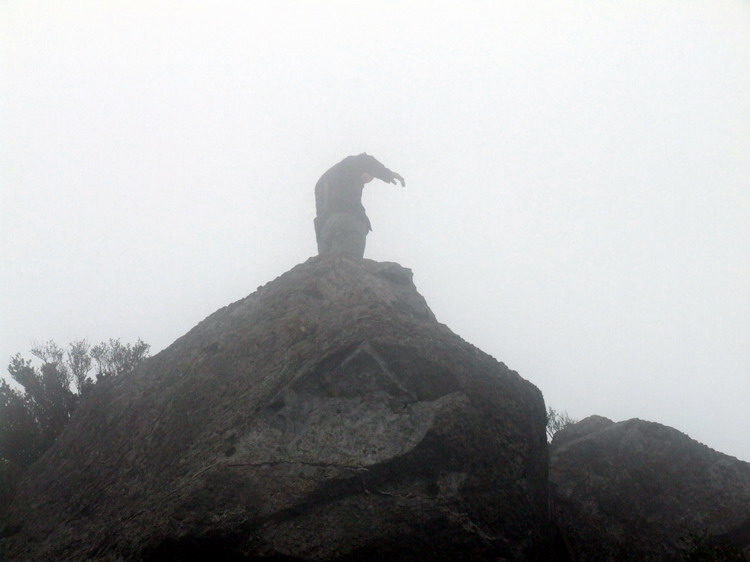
(327, 416)
(635, 490)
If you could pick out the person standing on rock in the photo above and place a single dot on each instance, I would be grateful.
(341, 224)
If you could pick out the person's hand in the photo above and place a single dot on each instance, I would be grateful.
(399, 178)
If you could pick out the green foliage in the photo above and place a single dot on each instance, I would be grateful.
(47, 390)
(33, 417)
(703, 547)
(557, 420)
(20, 435)
(114, 358)
(79, 363)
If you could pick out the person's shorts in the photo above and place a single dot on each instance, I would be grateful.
(342, 234)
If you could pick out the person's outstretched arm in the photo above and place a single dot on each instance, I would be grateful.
(370, 165)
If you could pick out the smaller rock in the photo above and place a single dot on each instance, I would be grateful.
(577, 430)
(637, 490)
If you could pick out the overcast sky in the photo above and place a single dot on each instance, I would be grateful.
(578, 178)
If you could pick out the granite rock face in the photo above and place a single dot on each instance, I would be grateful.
(327, 416)
(635, 490)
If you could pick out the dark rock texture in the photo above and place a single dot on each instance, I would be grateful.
(635, 490)
(328, 416)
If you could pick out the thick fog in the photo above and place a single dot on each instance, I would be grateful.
(577, 200)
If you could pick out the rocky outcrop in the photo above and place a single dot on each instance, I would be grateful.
(635, 490)
(327, 416)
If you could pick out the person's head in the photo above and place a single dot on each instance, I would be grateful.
(366, 178)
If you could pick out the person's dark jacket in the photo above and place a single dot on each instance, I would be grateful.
(339, 190)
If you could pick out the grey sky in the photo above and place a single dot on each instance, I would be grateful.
(578, 178)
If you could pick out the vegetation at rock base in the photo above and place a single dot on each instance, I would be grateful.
(33, 417)
(703, 547)
(557, 420)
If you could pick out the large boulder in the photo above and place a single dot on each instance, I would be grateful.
(327, 416)
(638, 490)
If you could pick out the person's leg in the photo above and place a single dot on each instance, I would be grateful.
(350, 243)
(324, 247)
(343, 235)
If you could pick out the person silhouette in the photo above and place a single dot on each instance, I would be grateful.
(341, 223)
